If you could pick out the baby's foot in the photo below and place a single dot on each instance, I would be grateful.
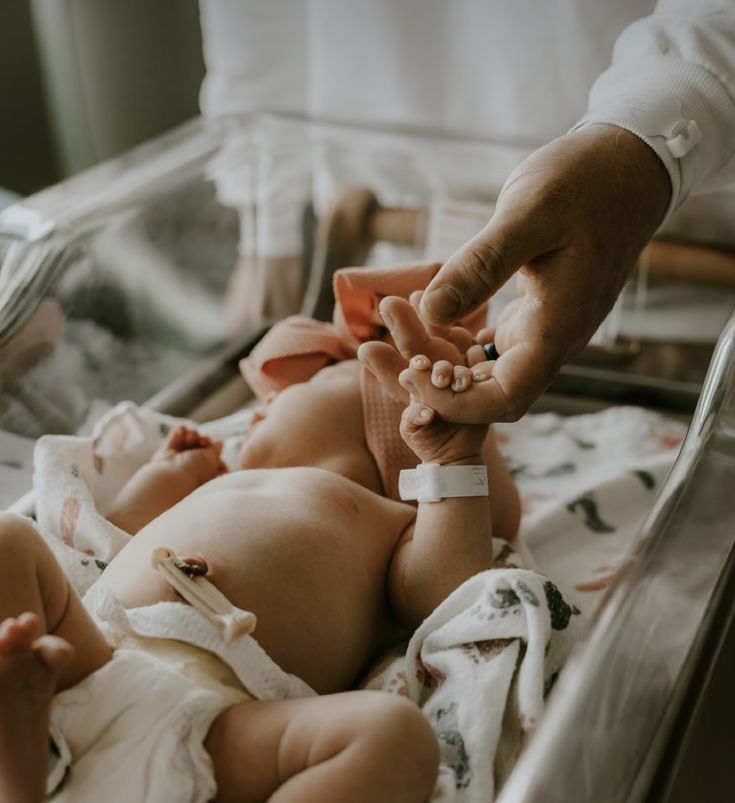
(195, 454)
(30, 663)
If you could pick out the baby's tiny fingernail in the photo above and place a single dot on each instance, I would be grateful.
(420, 363)
(424, 413)
(480, 376)
(459, 384)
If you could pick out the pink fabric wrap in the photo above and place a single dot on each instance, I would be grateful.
(297, 348)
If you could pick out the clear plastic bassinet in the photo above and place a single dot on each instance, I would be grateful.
(111, 287)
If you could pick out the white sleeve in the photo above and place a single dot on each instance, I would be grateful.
(672, 83)
(255, 53)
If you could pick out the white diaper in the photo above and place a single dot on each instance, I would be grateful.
(135, 728)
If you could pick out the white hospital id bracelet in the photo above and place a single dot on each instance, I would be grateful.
(430, 482)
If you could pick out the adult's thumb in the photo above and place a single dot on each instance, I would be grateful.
(476, 271)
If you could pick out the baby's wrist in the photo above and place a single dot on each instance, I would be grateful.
(433, 482)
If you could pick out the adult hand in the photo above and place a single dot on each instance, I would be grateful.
(429, 368)
(443, 346)
(571, 220)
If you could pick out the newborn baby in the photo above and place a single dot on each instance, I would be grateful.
(302, 537)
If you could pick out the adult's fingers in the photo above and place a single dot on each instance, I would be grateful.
(475, 355)
(481, 267)
(410, 335)
(386, 364)
(433, 329)
(457, 335)
(485, 336)
(408, 332)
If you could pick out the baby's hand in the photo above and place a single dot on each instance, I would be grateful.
(432, 438)
(194, 455)
(455, 392)
(410, 338)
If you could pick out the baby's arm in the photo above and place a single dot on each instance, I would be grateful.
(445, 385)
(184, 462)
(451, 540)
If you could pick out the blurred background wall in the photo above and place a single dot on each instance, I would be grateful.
(83, 80)
(26, 150)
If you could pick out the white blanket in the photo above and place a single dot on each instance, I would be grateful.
(479, 667)
(481, 664)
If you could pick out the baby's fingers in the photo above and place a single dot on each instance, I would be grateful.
(420, 362)
(482, 371)
(416, 416)
(461, 378)
(468, 407)
(442, 374)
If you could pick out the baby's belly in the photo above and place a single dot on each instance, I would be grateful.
(304, 549)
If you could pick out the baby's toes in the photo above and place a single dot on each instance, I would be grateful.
(17, 634)
(55, 652)
(442, 374)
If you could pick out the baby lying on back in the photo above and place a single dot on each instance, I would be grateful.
(305, 538)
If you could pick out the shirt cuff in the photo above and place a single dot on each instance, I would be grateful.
(680, 109)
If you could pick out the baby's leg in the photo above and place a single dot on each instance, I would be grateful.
(47, 643)
(358, 746)
(31, 581)
(30, 663)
